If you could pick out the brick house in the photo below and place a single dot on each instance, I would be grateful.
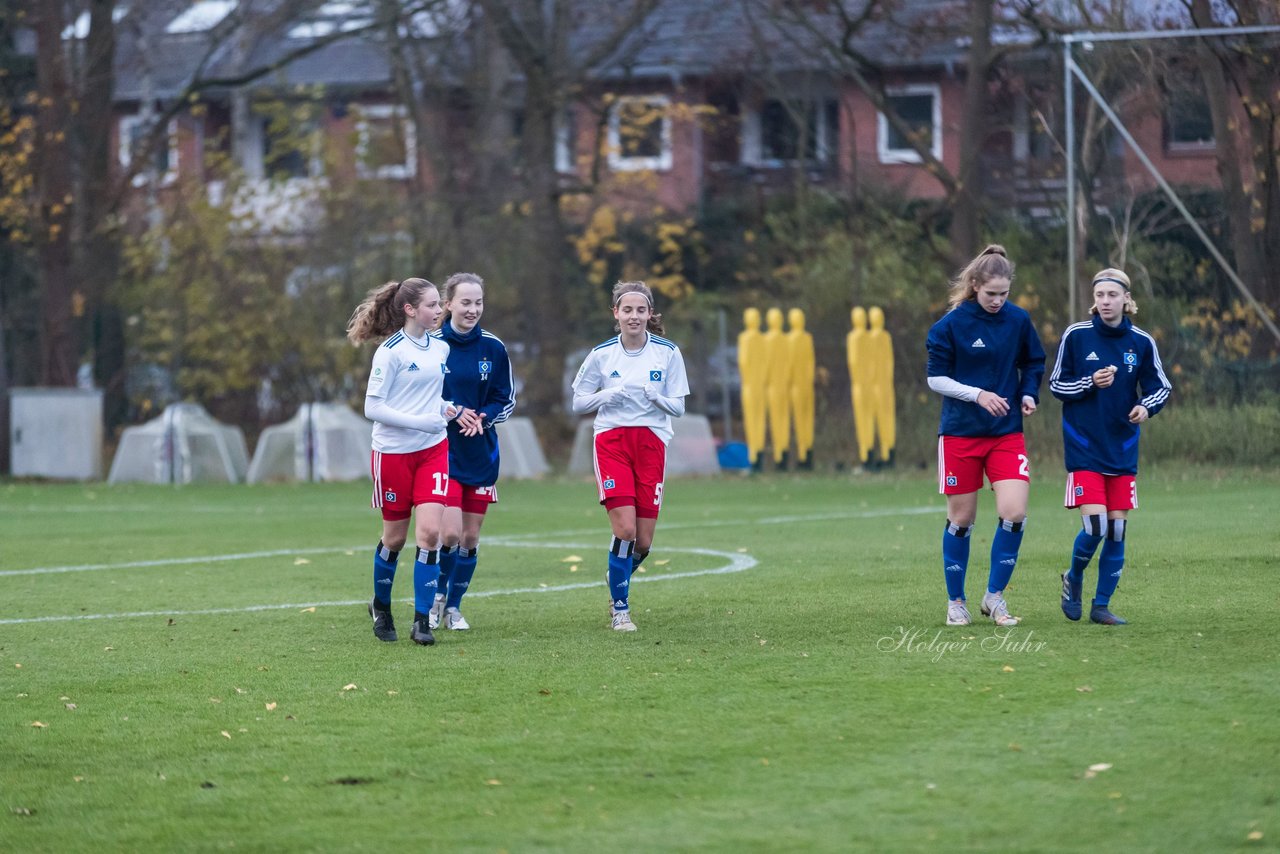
(703, 100)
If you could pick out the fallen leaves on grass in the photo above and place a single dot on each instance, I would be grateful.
(226, 734)
(1096, 769)
(271, 707)
(493, 782)
(1254, 835)
(350, 686)
(71, 707)
(39, 725)
(573, 568)
(1085, 689)
(571, 559)
(310, 610)
(661, 562)
(1007, 669)
(300, 561)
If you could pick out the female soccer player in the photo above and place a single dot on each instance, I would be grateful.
(479, 382)
(410, 462)
(1110, 380)
(634, 382)
(985, 359)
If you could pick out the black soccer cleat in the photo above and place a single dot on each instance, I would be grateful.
(384, 628)
(421, 632)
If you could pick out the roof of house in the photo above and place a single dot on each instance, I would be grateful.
(163, 45)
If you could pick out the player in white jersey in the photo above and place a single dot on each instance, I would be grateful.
(634, 382)
(410, 458)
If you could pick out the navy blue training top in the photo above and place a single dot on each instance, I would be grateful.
(479, 378)
(1096, 433)
(998, 352)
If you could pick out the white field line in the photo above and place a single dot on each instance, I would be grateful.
(735, 563)
(516, 540)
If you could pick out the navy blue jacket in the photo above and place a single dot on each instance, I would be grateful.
(479, 378)
(1096, 432)
(999, 352)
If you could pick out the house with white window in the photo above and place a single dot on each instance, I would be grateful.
(704, 100)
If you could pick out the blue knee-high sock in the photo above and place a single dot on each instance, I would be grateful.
(460, 580)
(620, 572)
(955, 558)
(426, 580)
(1081, 553)
(1092, 529)
(448, 558)
(1004, 553)
(637, 558)
(1110, 562)
(384, 574)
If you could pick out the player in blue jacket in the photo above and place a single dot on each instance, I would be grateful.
(480, 382)
(985, 359)
(1110, 380)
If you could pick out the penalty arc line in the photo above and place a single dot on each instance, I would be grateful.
(737, 562)
(499, 541)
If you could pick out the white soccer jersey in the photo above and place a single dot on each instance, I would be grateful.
(408, 375)
(610, 365)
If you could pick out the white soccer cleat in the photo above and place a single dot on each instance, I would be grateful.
(437, 612)
(622, 622)
(454, 621)
(957, 614)
(993, 606)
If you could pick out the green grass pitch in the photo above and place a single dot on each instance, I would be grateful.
(193, 669)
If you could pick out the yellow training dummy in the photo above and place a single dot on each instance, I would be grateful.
(752, 368)
(860, 380)
(880, 355)
(777, 385)
(802, 374)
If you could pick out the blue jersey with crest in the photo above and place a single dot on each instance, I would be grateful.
(1096, 432)
(479, 378)
(998, 352)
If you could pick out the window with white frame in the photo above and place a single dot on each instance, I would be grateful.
(133, 132)
(640, 134)
(920, 108)
(785, 132)
(386, 146)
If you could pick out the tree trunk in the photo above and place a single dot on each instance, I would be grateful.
(548, 258)
(1252, 206)
(52, 228)
(966, 221)
(98, 261)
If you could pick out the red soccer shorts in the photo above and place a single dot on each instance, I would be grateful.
(403, 481)
(962, 460)
(1112, 491)
(631, 463)
(472, 499)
